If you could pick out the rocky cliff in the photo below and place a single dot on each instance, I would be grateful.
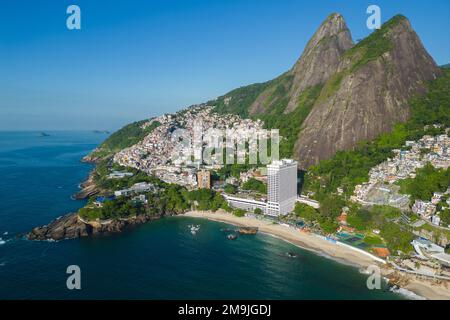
(369, 92)
(364, 89)
(71, 226)
(318, 62)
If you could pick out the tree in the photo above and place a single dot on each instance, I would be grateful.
(330, 206)
(239, 212)
(427, 181)
(361, 219)
(230, 189)
(396, 237)
(255, 185)
(445, 217)
(306, 212)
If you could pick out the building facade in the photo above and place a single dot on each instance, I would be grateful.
(204, 179)
(282, 191)
(282, 187)
(246, 204)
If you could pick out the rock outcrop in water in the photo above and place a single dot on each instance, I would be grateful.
(71, 226)
(92, 157)
(88, 188)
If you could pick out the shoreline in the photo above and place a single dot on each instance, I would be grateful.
(307, 241)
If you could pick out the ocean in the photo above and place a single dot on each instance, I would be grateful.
(159, 260)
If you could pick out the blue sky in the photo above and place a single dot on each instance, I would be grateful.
(134, 59)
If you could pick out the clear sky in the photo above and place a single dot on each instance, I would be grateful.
(134, 59)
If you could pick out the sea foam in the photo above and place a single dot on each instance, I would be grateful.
(408, 294)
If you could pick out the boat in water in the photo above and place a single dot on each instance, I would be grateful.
(291, 254)
(232, 236)
(194, 228)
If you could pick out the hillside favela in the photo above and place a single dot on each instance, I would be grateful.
(330, 181)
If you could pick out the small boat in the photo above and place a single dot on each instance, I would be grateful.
(232, 236)
(291, 255)
(194, 228)
(226, 230)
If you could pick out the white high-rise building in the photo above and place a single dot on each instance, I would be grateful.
(282, 187)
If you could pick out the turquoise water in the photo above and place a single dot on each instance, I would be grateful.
(160, 260)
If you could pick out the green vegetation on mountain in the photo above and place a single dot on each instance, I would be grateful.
(239, 100)
(373, 46)
(269, 101)
(427, 181)
(346, 169)
(289, 124)
(332, 85)
(125, 137)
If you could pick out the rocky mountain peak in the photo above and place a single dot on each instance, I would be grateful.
(333, 26)
(318, 62)
(321, 57)
(369, 92)
(338, 94)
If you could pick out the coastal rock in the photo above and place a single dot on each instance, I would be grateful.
(320, 58)
(91, 157)
(88, 188)
(66, 227)
(71, 226)
(248, 230)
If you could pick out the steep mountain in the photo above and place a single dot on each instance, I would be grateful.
(318, 62)
(368, 94)
(337, 94)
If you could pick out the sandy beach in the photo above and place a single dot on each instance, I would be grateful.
(424, 288)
